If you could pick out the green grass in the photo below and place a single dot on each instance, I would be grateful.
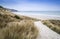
(53, 24)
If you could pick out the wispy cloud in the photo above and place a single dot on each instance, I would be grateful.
(33, 5)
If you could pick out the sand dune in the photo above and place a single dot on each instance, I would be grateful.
(44, 31)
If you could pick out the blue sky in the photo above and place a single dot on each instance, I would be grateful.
(32, 5)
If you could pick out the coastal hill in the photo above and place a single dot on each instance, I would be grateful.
(14, 26)
(12, 10)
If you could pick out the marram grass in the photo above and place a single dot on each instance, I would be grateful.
(20, 30)
(53, 24)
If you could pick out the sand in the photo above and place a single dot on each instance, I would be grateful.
(39, 16)
(45, 32)
(44, 17)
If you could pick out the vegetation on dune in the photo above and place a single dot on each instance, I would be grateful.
(53, 24)
(16, 27)
(20, 30)
(6, 18)
(17, 17)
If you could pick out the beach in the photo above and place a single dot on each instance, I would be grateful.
(44, 31)
(29, 19)
(39, 16)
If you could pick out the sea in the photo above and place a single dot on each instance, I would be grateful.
(41, 13)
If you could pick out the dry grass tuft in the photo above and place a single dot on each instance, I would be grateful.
(16, 26)
(20, 30)
(53, 24)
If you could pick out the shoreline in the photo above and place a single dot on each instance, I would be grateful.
(40, 16)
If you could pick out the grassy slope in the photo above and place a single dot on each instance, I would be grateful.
(6, 17)
(16, 27)
(53, 24)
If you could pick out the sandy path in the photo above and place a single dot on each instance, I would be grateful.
(45, 32)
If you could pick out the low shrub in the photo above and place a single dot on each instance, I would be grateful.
(17, 17)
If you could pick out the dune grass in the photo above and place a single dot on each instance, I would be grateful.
(16, 26)
(20, 30)
(7, 16)
(53, 24)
